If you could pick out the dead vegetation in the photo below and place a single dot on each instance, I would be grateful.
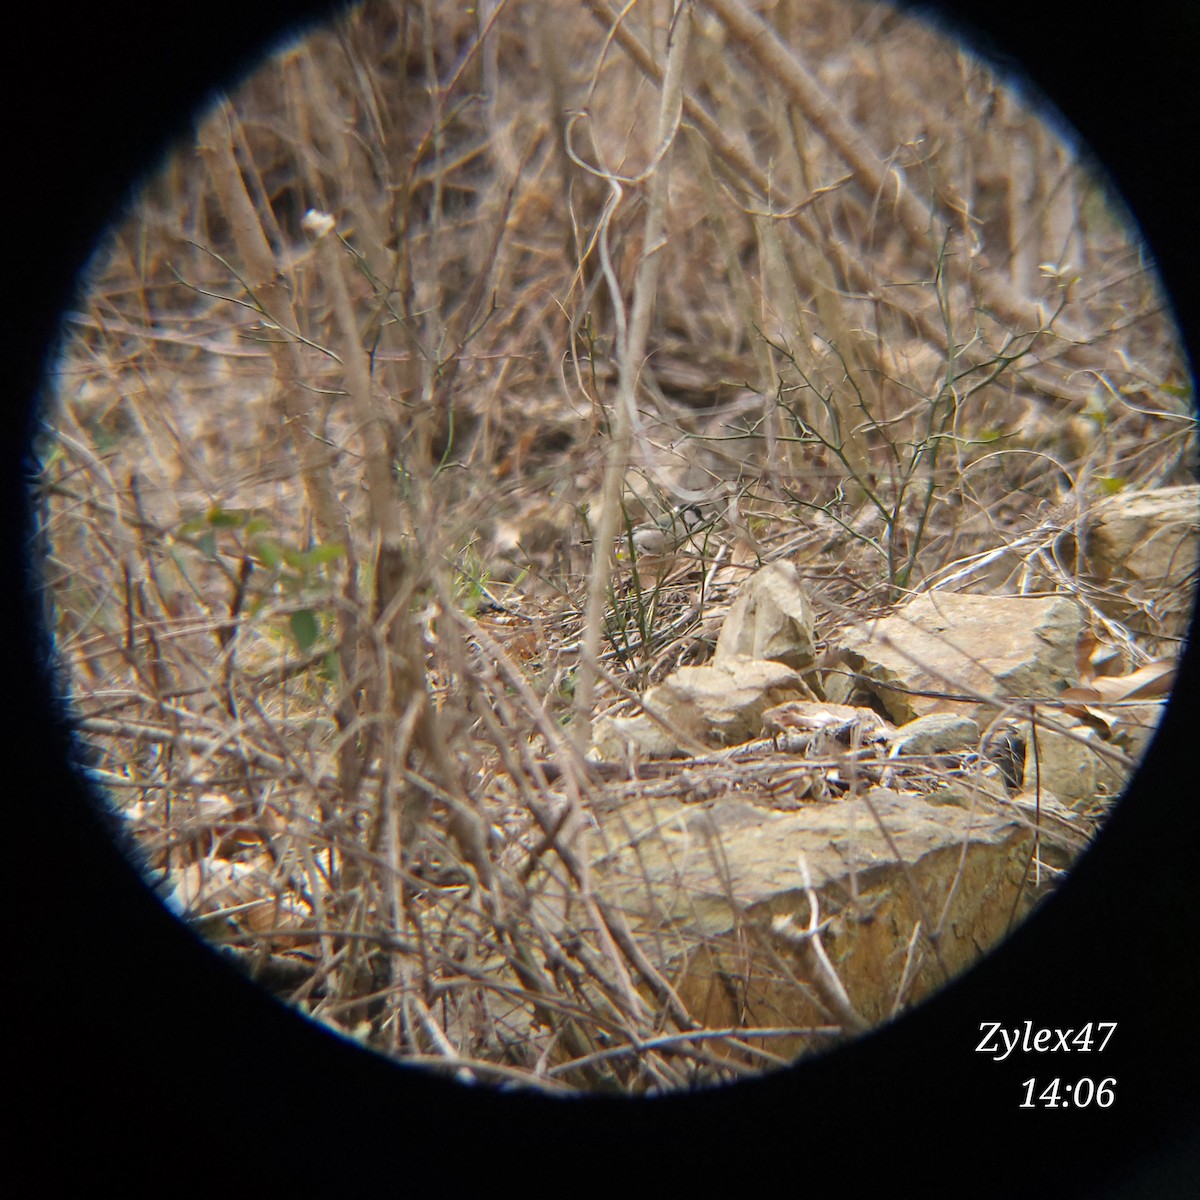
(330, 499)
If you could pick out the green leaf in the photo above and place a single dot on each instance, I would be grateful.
(319, 555)
(305, 561)
(191, 527)
(220, 518)
(269, 551)
(305, 628)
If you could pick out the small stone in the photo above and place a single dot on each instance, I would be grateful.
(935, 734)
(771, 618)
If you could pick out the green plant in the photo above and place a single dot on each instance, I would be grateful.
(900, 465)
(298, 577)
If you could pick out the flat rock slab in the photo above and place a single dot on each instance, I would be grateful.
(701, 883)
(966, 654)
(1143, 547)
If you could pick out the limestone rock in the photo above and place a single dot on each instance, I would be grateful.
(944, 652)
(715, 874)
(1143, 548)
(985, 785)
(1071, 764)
(615, 739)
(935, 734)
(720, 704)
(832, 723)
(771, 618)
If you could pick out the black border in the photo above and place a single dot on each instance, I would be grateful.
(138, 1056)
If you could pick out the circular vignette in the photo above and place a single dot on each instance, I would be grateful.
(146, 979)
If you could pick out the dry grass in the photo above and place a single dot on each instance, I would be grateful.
(320, 498)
